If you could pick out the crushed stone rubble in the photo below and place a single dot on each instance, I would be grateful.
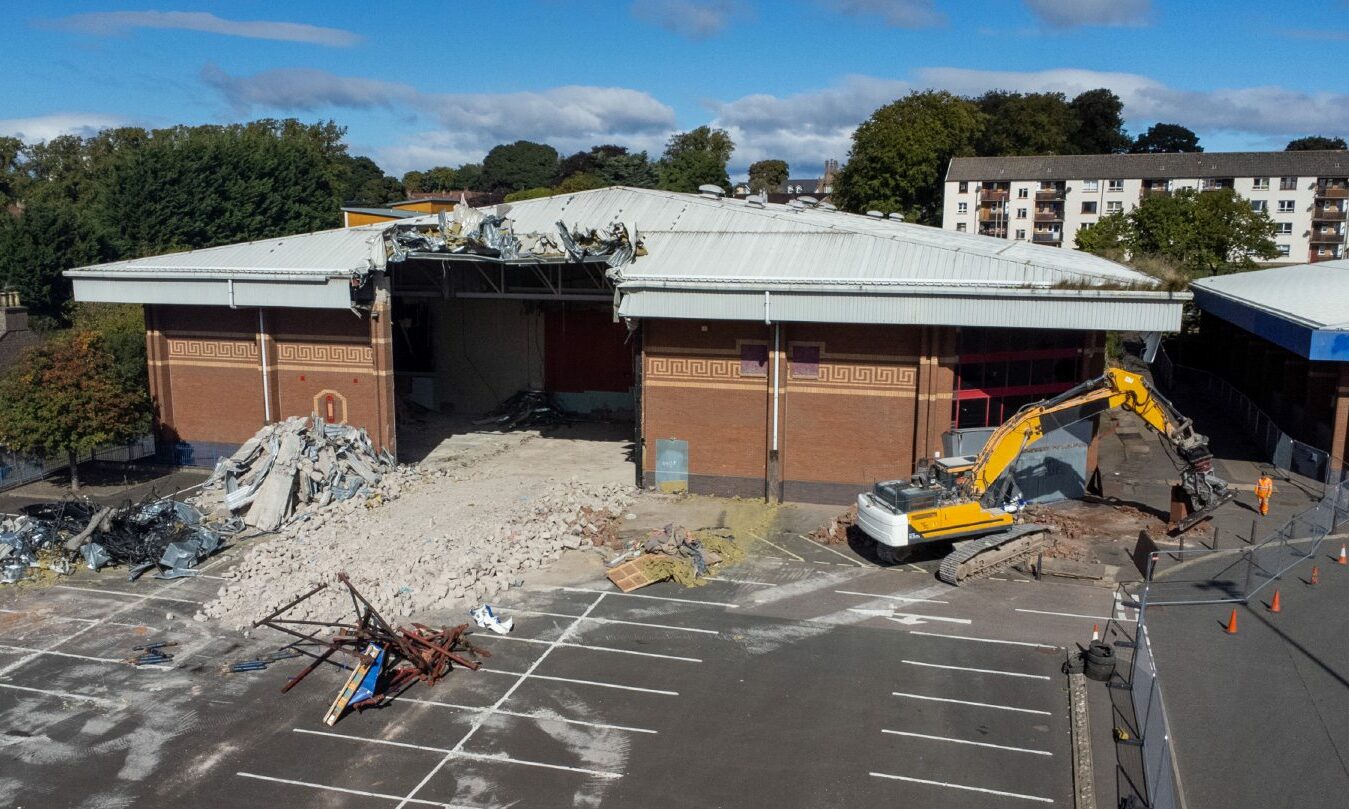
(444, 543)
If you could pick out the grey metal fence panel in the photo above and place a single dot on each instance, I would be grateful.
(1150, 722)
(18, 470)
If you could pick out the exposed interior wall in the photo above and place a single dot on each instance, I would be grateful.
(206, 367)
(485, 351)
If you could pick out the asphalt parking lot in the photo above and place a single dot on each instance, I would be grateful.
(807, 677)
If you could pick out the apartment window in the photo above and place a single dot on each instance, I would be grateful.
(1089, 207)
(1021, 234)
(1285, 206)
(1260, 184)
(1022, 193)
(962, 207)
(1259, 205)
(964, 188)
(1114, 185)
(960, 226)
(1091, 185)
(1020, 213)
(1284, 228)
(1287, 183)
(1284, 249)
(1114, 206)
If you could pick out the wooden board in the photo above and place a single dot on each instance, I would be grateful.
(353, 682)
(630, 575)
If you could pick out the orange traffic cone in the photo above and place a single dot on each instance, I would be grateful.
(1095, 632)
(1232, 623)
(1316, 574)
(1275, 606)
(1344, 560)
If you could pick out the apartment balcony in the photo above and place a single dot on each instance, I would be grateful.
(1333, 192)
(1047, 238)
(1049, 195)
(1049, 216)
(1154, 192)
(1328, 215)
(993, 194)
(1325, 255)
(1327, 237)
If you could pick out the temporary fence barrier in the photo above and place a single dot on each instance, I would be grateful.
(17, 469)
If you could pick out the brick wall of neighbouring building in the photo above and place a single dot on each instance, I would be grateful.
(206, 369)
(856, 404)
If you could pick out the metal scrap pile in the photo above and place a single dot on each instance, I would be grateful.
(526, 408)
(167, 534)
(292, 467)
(471, 232)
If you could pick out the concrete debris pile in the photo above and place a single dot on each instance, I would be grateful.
(674, 552)
(475, 234)
(526, 408)
(166, 534)
(837, 530)
(291, 469)
(431, 552)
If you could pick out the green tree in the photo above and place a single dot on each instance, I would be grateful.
(470, 176)
(580, 181)
(900, 153)
(413, 181)
(1025, 124)
(519, 165)
(1202, 233)
(121, 326)
(363, 182)
(12, 178)
(694, 158)
(441, 178)
(531, 193)
(65, 397)
(766, 175)
(1099, 123)
(1313, 143)
(1166, 138)
(40, 242)
(634, 170)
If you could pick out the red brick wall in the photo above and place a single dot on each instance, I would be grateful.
(206, 370)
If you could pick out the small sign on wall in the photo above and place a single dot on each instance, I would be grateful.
(672, 465)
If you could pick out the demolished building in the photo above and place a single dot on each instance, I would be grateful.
(758, 349)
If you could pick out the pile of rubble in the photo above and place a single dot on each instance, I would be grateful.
(292, 469)
(409, 561)
(836, 531)
(157, 533)
(674, 552)
(480, 235)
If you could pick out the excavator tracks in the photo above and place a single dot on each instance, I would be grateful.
(977, 558)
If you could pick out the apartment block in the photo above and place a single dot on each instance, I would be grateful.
(1048, 199)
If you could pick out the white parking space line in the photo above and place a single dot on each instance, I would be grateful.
(891, 597)
(977, 671)
(906, 617)
(142, 596)
(749, 582)
(1075, 615)
(653, 598)
(610, 621)
(545, 765)
(61, 654)
(570, 645)
(968, 702)
(962, 786)
(985, 640)
(540, 716)
(849, 559)
(967, 741)
(779, 547)
(361, 792)
(64, 695)
(532, 676)
(71, 619)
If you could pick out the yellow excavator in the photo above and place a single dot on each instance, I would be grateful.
(972, 499)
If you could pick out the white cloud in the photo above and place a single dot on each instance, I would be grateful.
(568, 118)
(110, 23)
(695, 19)
(45, 127)
(897, 13)
(1075, 13)
(1255, 110)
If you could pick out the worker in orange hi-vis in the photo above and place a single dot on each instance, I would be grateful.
(1264, 488)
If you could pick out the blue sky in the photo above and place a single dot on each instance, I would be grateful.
(435, 82)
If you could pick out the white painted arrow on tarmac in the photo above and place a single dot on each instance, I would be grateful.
(907, 618)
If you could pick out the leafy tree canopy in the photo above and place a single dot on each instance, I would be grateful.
(65, 397)
(1100, 123)
(519, 165)
(694, 158)
(1313, 143)
(1166, 138)
(1025, 124)
(1203, 233)
(900, 153)
(766, 175)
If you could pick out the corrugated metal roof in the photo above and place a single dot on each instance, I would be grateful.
(1182, 165)
(726, 240)
(1313, 295)
(322, 254)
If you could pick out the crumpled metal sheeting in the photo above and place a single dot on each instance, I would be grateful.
(492, 237)
(292, 466)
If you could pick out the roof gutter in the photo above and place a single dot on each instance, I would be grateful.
(932, 288)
